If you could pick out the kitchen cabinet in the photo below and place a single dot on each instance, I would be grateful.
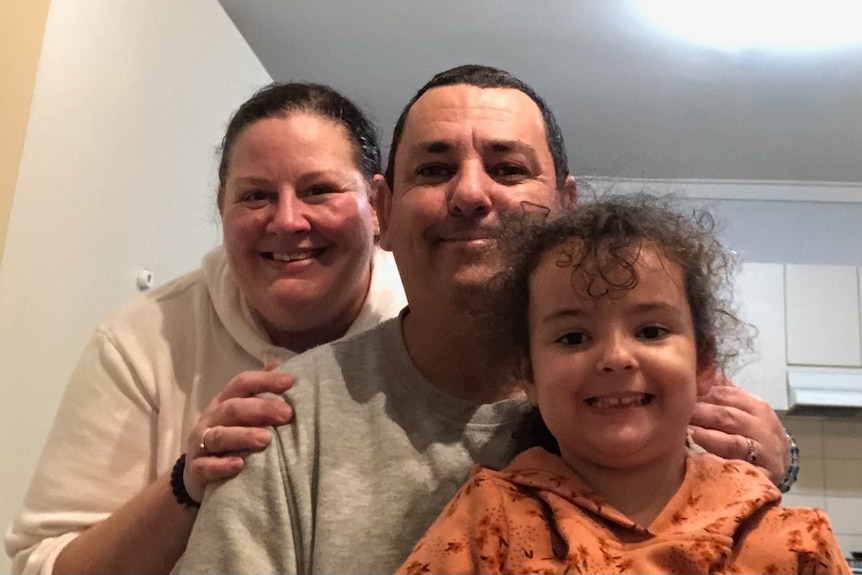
(759, 293)
(824, 327)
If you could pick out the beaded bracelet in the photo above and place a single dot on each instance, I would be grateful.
(792, 469)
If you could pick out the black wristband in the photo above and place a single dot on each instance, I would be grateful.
(178, 486)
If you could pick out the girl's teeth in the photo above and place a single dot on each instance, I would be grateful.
(631, 401)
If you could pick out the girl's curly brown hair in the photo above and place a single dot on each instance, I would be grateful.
(604, 230)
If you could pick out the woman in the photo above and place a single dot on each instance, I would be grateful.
(175, 371)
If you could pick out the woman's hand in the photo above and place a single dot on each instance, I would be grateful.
(728, 417)
(232, 425)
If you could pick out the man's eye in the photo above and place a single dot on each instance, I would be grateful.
(653, 332)
(434, 171)
(509, 171)
(572, 338)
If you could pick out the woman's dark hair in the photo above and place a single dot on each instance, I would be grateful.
(278, 100)
(612, 229)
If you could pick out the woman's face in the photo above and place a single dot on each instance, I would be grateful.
(298, 227)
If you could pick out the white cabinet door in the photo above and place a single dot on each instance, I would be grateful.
(760, 294)
(823, 322)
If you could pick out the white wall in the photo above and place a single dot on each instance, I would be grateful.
(117, 174)
(768, 221)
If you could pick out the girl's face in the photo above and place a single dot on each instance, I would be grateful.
(298, 227)
(615, 378)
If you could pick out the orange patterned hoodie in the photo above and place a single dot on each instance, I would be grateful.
(537, 516)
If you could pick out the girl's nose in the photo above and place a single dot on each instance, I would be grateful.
(616, 356)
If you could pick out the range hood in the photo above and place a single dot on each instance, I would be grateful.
(824, 391)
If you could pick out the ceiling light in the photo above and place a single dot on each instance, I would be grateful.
(789, 25)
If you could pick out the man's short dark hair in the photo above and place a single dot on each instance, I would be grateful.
(487, 77)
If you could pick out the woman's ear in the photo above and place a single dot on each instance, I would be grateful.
(381, 201)
(220, 201)
(705, 377)
(375, 220)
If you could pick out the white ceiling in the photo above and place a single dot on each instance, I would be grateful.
(632, 102)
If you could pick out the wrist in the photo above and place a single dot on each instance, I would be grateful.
(793, 467)
(178, 486)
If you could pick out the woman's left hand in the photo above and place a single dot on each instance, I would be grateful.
(732, 423)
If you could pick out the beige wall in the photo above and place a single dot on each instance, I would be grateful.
(117, 174)
(830, 475)
(21, 31)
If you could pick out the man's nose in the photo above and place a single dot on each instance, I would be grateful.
(290, 215)
(470, 191)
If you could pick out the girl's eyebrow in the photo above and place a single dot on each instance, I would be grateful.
(577, 313)
(563, 313)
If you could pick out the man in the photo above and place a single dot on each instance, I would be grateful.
(388, 423)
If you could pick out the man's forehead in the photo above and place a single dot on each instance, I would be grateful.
(450, 112)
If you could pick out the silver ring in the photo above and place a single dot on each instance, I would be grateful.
(751, 454)
(204, 448)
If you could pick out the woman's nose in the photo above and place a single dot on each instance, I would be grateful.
(290, 215)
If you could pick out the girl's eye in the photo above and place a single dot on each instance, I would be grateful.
(572, 338)
(653, 332)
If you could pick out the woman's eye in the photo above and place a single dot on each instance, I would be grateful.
(653, 332)
(318, 190)
(572, 338)
(256, 196)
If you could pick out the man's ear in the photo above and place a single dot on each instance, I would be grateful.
(569, 193)
(382, 203)
(705, 377)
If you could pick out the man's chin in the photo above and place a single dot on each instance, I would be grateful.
(475, 275)
(478, 287)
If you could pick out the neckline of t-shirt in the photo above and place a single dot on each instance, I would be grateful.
(415, 389)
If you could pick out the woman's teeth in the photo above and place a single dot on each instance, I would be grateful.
(294, 256)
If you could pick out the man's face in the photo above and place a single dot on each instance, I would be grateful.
(466, 156)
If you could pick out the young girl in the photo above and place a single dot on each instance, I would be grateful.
(618, 307)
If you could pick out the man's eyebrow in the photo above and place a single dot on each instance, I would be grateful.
(496, 146)
(431, 147)
(504, 146)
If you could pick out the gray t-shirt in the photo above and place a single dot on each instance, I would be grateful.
(374, 454)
